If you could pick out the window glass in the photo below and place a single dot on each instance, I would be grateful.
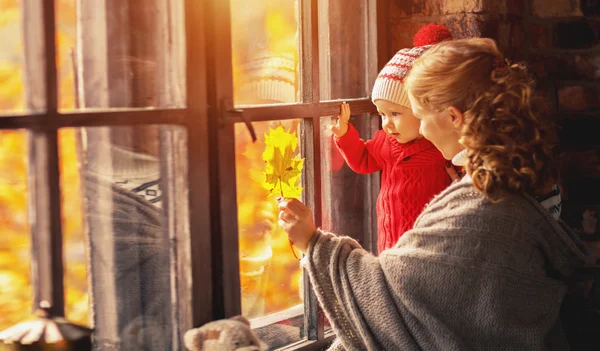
(16, 292)
(347, 58)
(115, 226)
(66, 55)
(348, 199)
(12, 90)
(270, 274)
(77, 309)
(265, 51)
(117, 54)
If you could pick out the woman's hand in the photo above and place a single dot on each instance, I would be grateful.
(297, 220)
(341, 127)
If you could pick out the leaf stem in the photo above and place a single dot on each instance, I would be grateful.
(281, 188)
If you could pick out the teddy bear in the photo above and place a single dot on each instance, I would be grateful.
(233, 334)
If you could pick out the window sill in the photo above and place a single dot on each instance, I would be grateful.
(291, 314)
(311, 345)
(265, 321)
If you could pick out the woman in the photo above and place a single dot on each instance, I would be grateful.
(484, 266)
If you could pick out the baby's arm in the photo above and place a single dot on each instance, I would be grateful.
(352, 147)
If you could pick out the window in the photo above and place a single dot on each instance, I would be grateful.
(141, 146)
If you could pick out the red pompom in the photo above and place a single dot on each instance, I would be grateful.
(432, 34)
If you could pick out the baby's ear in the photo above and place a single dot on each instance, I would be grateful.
(241, 319)
(194, 339)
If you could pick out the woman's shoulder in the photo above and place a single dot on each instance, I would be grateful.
(462, 222)
(462, 199)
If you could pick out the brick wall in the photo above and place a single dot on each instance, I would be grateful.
(565, 56)
(502, 20)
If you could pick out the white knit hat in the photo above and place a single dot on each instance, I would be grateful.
(389, 84)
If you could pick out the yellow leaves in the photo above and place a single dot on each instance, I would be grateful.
(11, 83)
(282, 31)
(15, 247)
(15, 287)
(9, 12)
(282, 168)
(278, 289)
(11, 87)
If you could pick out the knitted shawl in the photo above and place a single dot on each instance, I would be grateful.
(471, 275)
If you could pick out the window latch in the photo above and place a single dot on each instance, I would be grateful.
(233, 113)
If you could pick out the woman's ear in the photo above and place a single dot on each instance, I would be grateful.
(456, 117)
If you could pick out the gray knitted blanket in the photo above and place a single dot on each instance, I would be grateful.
(471, 275)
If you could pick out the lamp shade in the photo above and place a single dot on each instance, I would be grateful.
(46, 333)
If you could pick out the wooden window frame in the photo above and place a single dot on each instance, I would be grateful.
(209, 118)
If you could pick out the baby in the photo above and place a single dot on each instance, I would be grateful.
(413, 170)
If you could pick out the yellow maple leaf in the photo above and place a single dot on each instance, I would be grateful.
(282, 168)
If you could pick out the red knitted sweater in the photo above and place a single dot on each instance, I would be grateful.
(412, 174)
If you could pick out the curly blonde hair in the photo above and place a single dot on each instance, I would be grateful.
(509, 143)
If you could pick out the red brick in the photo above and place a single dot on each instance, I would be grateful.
(579, 98)
(413, 8)
(497, 7)
(583, 34)
(543, 67)
(577, 164)
(465, 25)
(540, 36)
(423, 8)
(402, 33)
(546, 97)
(508, 33)
(555, 8)
(590, 7)
(515, 7)
(566, 66)
(465, 6)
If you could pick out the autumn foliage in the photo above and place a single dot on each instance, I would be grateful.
(15, 246)
(282, 167)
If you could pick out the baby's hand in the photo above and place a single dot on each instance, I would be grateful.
(341, 127)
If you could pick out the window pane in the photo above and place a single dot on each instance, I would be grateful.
(12, 91)
(270, 275)
(113, 184)
(74, 249)
(347, 55)
(16, 292)
(265, 50)
(66, 27)
(348, 197)
(121, 54)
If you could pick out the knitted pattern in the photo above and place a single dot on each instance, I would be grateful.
(471, 275)
(412, 174)
(389, 84)
(269, 78)
(431, 34)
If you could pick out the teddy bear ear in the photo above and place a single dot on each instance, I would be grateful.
(241, 319)
(193, 339)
